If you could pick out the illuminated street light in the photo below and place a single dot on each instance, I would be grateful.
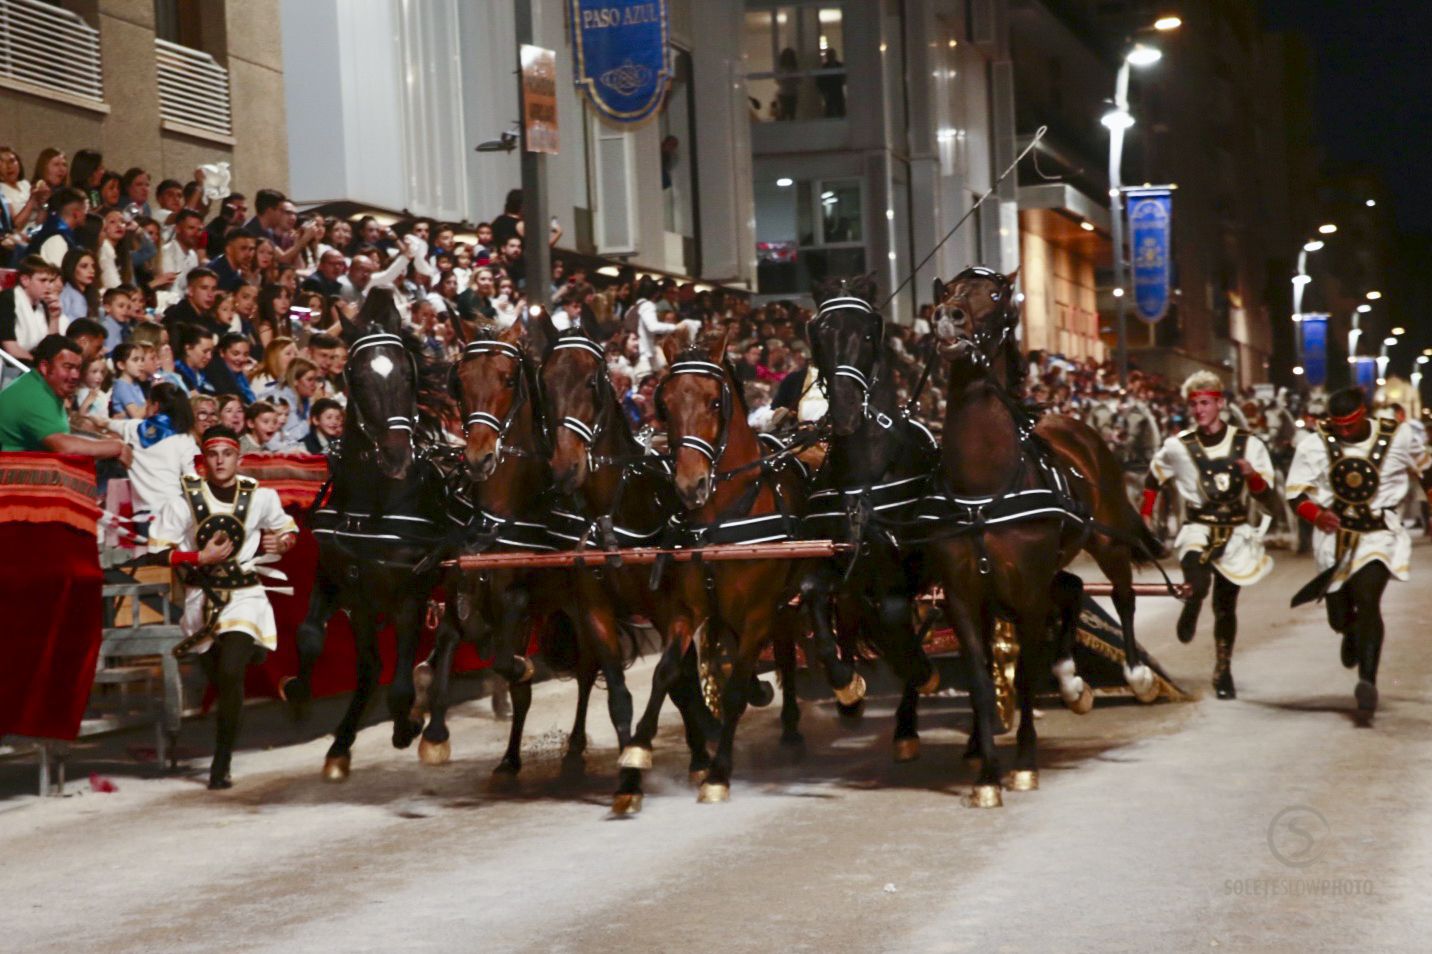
(784, 183)
(1302, 279)
(1298, 369)
(1389, 341)
(1118, 293)
(1327, 229)
(1315, 245)
(1363, 309)
(1087, 226)
(1399, 330)
(1165, 24)
(1144, 55)
(1374, 295)
(1117, 119)
(1371, 203)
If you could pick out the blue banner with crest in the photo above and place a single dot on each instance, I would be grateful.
(622, 56)
(1365, 373)
(1315, 349)
(1150, 222)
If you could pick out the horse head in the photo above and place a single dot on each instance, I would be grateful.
(491, 385)
(846, 337)
(382, 384)
(696, 402)
(579, 395)
(976, 316)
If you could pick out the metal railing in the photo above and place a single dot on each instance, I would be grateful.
(193, 88)
(46, 46)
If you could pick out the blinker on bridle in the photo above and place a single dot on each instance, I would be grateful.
(586, 433)
(708, 369)
(988, 339)
(866, 383)
(490, 348)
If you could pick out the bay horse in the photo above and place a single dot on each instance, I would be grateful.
(876, 470)
(505, 480)
(730, 494)
(382, 516)
(1012, 515)
(614, 494)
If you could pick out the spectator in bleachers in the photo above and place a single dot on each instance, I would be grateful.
(128, 400)
(32, 410)
(325, 279)
(117, 315)
(162, 445)
(325, 426)
(268, 215)
(89, 334)
(86, 173)
(229, 374)
(113, 249)
(202, 286)
(92, 397)
(270, 372)
(195, 351)
(30, 310)
(181, 253)
(110, 191)
(354, 285)
(59, 233)
(24, 202)
(260, 428)
(235, 266)
(79, 294)
(231, 412)
(135, 185)
(232, 213)
(271, 320)
(52, 168)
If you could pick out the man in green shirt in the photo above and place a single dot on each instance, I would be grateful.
(32, 410)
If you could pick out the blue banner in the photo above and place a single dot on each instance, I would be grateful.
(1150, 221)
(622, 56)
(1315, 349)
(1365, 374)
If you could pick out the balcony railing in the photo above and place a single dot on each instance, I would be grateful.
(193, 88)
(44, 46)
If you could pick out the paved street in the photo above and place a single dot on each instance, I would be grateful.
(1273, 823)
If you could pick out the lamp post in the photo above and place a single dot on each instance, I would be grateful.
(1117, 121)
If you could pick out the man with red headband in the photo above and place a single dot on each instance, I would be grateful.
(213, 535)
(1216, 468)
(1349, 483)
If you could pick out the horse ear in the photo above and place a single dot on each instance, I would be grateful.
(671, 346)
(379, 311)
(716, 346)
(541, 333)
(939, 291)
(515, 333)
(1013, 276)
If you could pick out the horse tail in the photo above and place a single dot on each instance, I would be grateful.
(557, 640)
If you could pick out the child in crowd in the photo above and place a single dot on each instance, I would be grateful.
(92, 398)
(261, 425)
(117, 316)
(325, 421)
(281, 412)
(223, 312)
(128, 399)
(758, 399)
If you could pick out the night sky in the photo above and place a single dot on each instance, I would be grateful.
(1373, 88)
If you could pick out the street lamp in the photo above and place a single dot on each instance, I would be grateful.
(1117, 122)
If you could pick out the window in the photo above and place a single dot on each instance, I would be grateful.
(679, 199)
(178, 22)
(807, 230)
(794, 68)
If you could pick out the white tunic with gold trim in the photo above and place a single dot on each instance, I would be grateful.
(248, 609)
(1243, 560)
(1389, 544)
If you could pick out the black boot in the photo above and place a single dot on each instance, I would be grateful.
(1366, 694)
(1349, 650)
(219, 773)
(1188, 620)
(1223, 671)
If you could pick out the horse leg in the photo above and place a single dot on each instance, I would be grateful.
(816, 589)
(1067, 595)
(297, 690)
(407, 627)
(785, 653)
(516, 668)
(1118, 565)
(696, 719)
(603, 634)
(717, 786)
(574, 759)
(972, 629)
(338, 762)
(435, 747)
(1025, 777)
(901, 647)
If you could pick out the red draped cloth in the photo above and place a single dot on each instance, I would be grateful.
(50, 593)
(297, 479)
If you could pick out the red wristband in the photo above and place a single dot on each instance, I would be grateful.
(1150, 497)
(183, 557)
(1256, 483)
(1309, 511)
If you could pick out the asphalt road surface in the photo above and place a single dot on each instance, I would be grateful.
(1277, 822)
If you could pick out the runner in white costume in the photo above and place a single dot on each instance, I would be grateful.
(212, 536)
(1349, 483)
(1216, 468)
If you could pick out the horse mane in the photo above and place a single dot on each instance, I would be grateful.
(860, 286)
(696, 352)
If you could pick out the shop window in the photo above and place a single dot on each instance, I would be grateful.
(808, 230)
(795, 65)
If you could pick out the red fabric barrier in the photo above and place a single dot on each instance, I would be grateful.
(50, 584)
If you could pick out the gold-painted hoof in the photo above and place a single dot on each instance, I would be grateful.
(635, 757)
(713, 792)
(852, 693)
(435, 753)
(337, 768)
(1150, 695)
(626, 804)
(283, 687)
(698, 777)
(527, 670)
(1084, 703)
(932, 685)
(907, 750)
(422, 677)
(1022, 780)
(986, 796)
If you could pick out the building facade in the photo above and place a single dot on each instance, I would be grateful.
(166, 85)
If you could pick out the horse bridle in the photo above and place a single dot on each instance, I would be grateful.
(586, 433)
(706, 369)
(396, 422)
(866, 383)
(486, 348)
(993, 335)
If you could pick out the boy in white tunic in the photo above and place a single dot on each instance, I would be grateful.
(212, 534)
(1215, 468)
(1349, 484)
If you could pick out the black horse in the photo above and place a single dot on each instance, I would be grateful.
(382, 516)
(876, 470)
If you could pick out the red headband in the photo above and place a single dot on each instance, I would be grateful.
(211, 442)
(1207, 394)
(1349, 419)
